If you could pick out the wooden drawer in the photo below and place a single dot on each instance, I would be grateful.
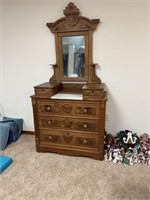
(72, 139)
(78, 124)
(44, 92)
(93, 94)
(68, 108)
(47, 89)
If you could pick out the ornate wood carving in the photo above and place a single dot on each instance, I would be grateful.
(56, 76)
(52, 138)
(67, 123)
(51, 123)
(68, 138)
(67, 108)
(71, 15)
(52, 108)
(86, 141)
(93, 78)
(72, 21)
(86, 126)
(85, 110)
(56, 123)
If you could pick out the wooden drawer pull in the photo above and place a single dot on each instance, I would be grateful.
(85, 110)
(50, 137)
(48, 108)
(49, 122)
(85, 126)
(85, 141)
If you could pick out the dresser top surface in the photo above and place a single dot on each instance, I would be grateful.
(69, 96)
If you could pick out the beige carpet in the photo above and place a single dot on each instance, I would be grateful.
(47, 176)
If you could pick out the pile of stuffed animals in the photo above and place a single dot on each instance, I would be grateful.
(127, 148)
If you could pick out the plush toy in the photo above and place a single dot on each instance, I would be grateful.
(115, 152)
(144, 155)
(144, 139)
(148, 158)
(130, 157)
(127, 158)
(117, 155)
(109, 142)
(110, 154)
(127, 148)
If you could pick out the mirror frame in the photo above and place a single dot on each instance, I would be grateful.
(63, 78)
(73, 25)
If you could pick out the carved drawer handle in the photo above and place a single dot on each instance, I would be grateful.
(49, 122)
(85, 125)
(85, 110)
(50, 137)
(85, 141)
(48, 108)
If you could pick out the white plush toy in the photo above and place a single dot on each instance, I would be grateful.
(117, 156)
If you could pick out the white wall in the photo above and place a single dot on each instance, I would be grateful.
(119, 46)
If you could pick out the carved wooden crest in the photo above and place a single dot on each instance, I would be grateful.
(71, 14)
(72, 21)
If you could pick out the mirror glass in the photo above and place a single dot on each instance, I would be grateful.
(73, 48)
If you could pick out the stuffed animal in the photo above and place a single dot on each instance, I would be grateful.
(144, 139)
(144, 155)
(117, 155)
(127, 148)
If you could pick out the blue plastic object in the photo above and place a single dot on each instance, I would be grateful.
(4, 163)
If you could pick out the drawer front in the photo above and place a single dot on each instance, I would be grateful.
(93, 94)
(89, 125)
(44, 92)
(68, 108)
(72, 139)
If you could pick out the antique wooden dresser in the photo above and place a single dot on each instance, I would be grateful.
(69, 110)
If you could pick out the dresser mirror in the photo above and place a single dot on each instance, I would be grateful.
(73, 39)
(73, 52)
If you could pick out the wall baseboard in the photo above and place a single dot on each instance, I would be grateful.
(28, 132)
